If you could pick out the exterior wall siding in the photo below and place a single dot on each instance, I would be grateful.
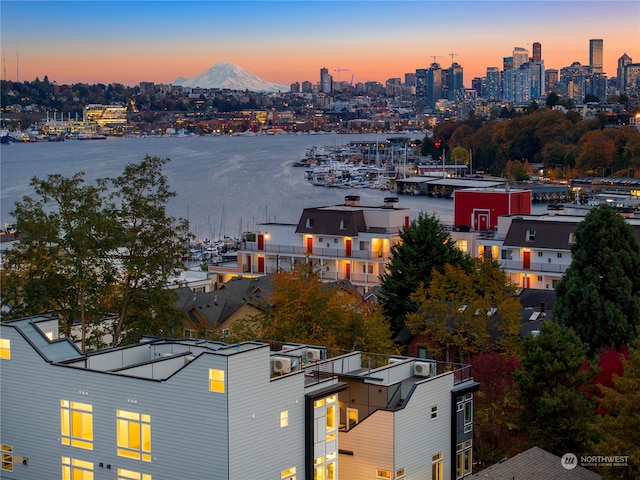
(372, 444)
(419, 437)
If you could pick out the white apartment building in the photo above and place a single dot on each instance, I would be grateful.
(534, 250)
(347, 242)
(199, 409)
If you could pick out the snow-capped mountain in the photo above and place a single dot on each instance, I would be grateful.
(231, 76)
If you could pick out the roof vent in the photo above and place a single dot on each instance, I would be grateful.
(352, 200)
(391, 202)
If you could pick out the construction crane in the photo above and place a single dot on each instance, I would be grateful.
(341, 70)
(451, 55)
(434, 57)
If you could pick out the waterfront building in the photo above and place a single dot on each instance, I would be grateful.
(106, 115)
(596, 52)
(190, 408)
(346, 242)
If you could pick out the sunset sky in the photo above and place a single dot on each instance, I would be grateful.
(287, 41)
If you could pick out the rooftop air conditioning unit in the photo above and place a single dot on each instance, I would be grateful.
(422, 369)
(189, 358)
(395, 360)
(281, 365)
(313, 354)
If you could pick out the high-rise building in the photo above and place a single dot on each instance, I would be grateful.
(507, 63)
(623, 61)
(493, 84)
(455, 82)
(326, 81)
(520, 56)
(410, 79)
(632, 79)
(537, 52)
(550, 80)
(429, 85)
(596, 55)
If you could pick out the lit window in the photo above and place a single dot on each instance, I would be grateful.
(462, 245)
(7, 457)
(434, 411)
(381, 474)
(331, 418)
(400, 474)
(352, 417)
(464, 454)
(436, 467)
(74, 469)
(284, 418)
(318, 403)
(131, 475)
(5, 349)
(216, 380)
(134, 435)
(331, 471)
(76, 424)
(288, 474)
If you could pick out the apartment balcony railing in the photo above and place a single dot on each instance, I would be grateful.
(316, 252)
(542, 267)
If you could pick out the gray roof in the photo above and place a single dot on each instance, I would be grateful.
(216, 306)
(334, 221)
(553, 235)
(534, 464)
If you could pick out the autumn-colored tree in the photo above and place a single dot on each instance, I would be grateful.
(472, 311)
(619, 428)
(303, 309)
(495, 405)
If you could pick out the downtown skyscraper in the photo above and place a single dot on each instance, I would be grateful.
(596, 54)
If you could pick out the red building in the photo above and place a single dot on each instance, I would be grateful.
(479, 208)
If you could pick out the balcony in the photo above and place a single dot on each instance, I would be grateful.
(534, 267)
(317, 252)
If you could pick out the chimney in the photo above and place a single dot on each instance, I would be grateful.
(352, 200)
(391, 202)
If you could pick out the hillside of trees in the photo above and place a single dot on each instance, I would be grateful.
(564, 143)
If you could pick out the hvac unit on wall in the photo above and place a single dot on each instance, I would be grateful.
(312, 354)
(422, 369)
(281, 365)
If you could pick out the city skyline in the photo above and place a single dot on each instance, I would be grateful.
(286, 42)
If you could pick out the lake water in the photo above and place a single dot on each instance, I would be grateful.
(224, 184)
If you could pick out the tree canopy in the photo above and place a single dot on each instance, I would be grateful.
(599, 294)
(86, 251)
(303, 309)
(551, 383)
(474, 311)
(424, 247)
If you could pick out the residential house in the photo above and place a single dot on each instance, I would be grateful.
(189, 408)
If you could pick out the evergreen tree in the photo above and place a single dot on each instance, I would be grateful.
(599, 295)
(552, 384)
(423, 247)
